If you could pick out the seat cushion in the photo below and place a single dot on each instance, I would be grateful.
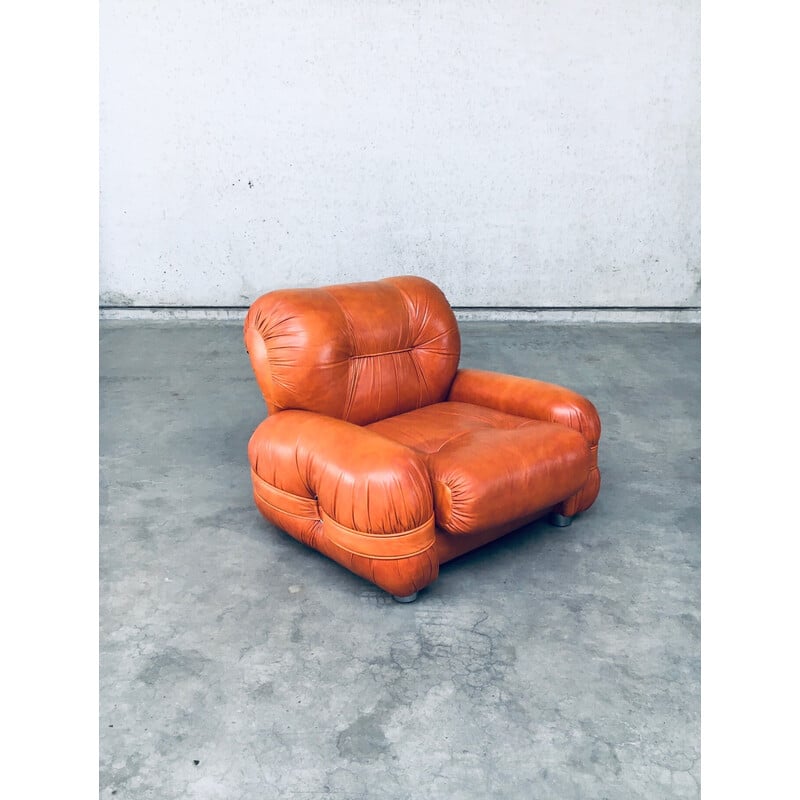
(489, 468)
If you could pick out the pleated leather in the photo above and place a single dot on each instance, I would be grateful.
(487, 467)
(360, 498)
(538, 400)
(380, 454)
(360, 352)
(526, 397)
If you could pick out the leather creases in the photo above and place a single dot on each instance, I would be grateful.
(381, 454)
(381, 546)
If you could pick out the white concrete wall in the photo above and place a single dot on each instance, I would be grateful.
(540, 153)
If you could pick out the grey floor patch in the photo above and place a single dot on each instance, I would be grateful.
(554, 663)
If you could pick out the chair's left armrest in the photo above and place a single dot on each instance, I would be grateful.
(526, 397)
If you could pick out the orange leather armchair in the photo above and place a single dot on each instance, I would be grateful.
(383, 455)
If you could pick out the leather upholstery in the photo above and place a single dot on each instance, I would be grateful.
(381, 454)
(361, 499)
(486, 467)
(538, 400)
(360, 352)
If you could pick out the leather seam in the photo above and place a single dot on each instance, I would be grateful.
(382, 558)
(385, 353)
(378, 536)
(451, 439)
(377, 539)
(351, 378)
(449, 491)
(283, 510)
(281, 491)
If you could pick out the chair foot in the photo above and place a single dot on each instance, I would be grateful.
(560, 521)
(409, 598)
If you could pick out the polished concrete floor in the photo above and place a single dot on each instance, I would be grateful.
(555, 663)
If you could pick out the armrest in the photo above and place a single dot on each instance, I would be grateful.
(362, 482)
(526, 397)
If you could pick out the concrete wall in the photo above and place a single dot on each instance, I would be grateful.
(540, 153)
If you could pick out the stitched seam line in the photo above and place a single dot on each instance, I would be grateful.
(280, 491)
(382, 558)
(372, 537)
(312, 518)
(451, 439)
(351, 377)
(372, 542)
(385, 353)
(284, 511)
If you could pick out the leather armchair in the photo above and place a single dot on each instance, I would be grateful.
(383, 455)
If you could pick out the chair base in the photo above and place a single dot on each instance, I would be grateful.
(560, 521)
(409, 598)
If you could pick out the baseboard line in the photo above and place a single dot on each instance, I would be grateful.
(582, 314)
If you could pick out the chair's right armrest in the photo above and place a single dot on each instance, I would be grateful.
(372, 496)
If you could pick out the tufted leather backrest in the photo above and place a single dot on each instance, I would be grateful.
(359, 351)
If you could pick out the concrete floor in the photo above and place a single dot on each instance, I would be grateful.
(555, 663)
